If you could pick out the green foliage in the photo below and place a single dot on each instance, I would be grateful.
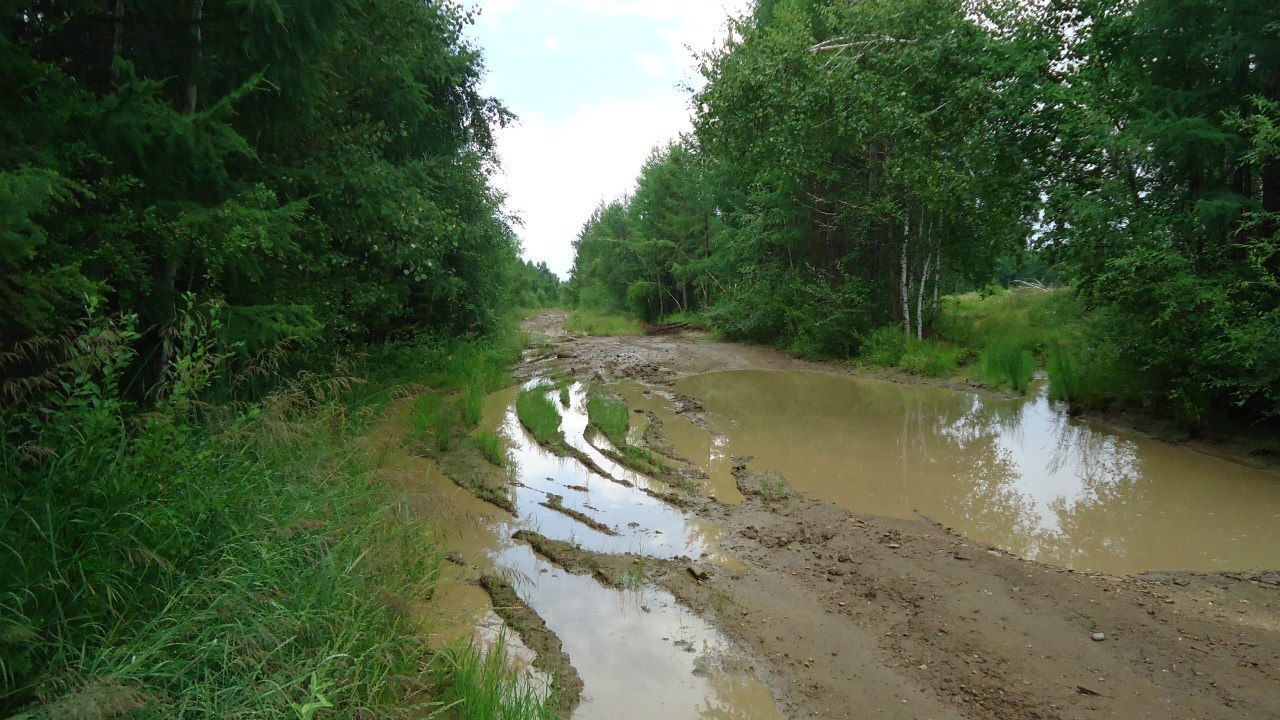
(143, 162)
(811, 315)
(490, 445)
(536, 286)
(890, 347)
(538, 414)
(190, 556)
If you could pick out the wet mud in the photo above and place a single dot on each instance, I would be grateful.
(845, 611)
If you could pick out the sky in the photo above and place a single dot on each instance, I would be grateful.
(596, 85)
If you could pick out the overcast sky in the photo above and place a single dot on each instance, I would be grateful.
(596, 84)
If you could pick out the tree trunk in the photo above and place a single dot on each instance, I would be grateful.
(117, 42)
(924, 279)
(197, 15)
(904, 284)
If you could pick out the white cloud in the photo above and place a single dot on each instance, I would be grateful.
(555, 174)
(652, 64)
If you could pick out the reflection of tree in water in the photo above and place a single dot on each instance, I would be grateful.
(976, 471)
(1095, 524)
(1092, 481)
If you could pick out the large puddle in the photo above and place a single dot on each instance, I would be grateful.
(639, 653)
(1018, 474)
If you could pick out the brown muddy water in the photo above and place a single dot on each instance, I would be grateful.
(1017, 474)
(639, 653)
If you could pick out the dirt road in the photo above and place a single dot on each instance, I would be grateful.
(852, 616)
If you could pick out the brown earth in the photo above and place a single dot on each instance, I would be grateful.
(854, 616)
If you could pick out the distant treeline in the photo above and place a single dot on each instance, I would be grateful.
(852, 163)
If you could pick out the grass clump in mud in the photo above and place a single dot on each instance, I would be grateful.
(192, 559)
(566, 685)
(590, 322)
(539, 415)
(609, 415)
(485, 686)
(489, 443)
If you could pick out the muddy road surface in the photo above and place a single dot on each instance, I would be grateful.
(848, 615)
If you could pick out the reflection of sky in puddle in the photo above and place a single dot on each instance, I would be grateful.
(643, 524)
(636, 650)
(1016, 473)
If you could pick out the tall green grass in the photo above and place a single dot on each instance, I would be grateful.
(487, 687)
(538, 414)
(195, 560)
(890, 347)
(590, 322)
(490, 446)
(1009, 330)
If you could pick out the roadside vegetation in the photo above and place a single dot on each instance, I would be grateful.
(591, 322)
(211, 288)
(853, 205)
(232, 559)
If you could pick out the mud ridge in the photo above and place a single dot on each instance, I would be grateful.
(551, 658)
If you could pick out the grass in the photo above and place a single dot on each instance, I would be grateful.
(609, 415)
(485, 686)
(490, 445)
(538, 414)
(590, 322)
(890, 347)
(215, 561)
(1010, 330)
(999, 339)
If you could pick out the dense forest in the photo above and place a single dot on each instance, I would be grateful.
(229, 231)
(852, 164)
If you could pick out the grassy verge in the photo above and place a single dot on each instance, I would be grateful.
(226, 561)
(590, 322)
(890, 347)
(1000, 339)
(1010, 330)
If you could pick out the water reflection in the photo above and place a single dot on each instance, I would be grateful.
(639, 653)
(1020, 474)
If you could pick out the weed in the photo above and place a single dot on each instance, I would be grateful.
(487, 687)
(890, 347)
(204, 561)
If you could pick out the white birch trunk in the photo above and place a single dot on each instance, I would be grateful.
(924, 279)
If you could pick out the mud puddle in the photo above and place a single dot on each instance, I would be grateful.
(1019, 474)
(637, 650)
